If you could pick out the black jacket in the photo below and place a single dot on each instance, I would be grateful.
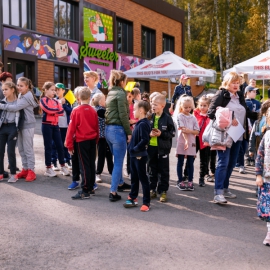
(140, 139)
(222, 98)
(166, 126)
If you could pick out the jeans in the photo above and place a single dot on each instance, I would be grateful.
(242, 151)
(117, 141)
(225, 164)
(8, 136)
(50, 133)
(189, 167)
(139, 174)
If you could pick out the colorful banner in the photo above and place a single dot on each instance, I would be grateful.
(102, 67)
(97, 26)
(128, 62)
(41, 46)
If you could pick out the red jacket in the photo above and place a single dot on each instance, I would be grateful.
(83, 125)
(52, 109)
(203, 121)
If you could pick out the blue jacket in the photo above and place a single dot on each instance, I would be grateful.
(181, 90)
(254, 106)
(140, 139)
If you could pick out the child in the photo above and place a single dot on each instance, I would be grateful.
(201, 115)
(262, 166)
(52, 109)
(186, 142)
(63, 122)
(159, 148)
(98, 101)
(84, 127)
(10, 123)
(26, 101)
(137, 149)
(136, 95)
(75, 159)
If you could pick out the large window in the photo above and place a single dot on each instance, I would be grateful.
(19, 13)
(66, 75)
(124, 36)
(148, 43)
(66, 19)
(168, 43)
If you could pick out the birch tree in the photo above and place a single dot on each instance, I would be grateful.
(228, 28)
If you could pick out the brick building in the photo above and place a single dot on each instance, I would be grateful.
(56, 40)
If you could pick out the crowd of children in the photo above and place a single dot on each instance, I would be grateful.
(81, 137)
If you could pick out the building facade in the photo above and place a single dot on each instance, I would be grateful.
(56, 40)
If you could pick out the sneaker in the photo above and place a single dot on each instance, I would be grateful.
(98, 179)
(153, 194)
(50, 172)
(13, 178)
(182, 186)
(69, 166)
(229, 195)
(252, 163)
(55, 167)
(95, 186)
(242, 170)
(92, 192)
(114, 198)
(145, 208)
(31, 176)
(210, 178)
(201, 182)
(64, 170)
(266, 241)
(22, 174)
(163, 197)
(190, 186)
(130, 203)
(123, 187)
(135, 200)
(237, 165)
(220, 199)
(73, 185)
(247, 163)
(81, 195)
(1, 177)
(5, 174)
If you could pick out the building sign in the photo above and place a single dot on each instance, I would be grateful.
(99, 58)
(98, 27)
(41, 46)
(126, 63)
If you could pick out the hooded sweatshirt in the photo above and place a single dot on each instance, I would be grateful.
(27, 103)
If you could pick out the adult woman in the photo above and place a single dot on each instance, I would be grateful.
(4, 77)
(180, 90)
(117, 129)
(91, 79)
(230, 97)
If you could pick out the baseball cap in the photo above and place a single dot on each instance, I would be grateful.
(184, 77)
(250, 88)
(60, 85)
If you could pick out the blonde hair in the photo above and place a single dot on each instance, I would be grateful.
(160, 99)
(92, 74)
(11, 85)
(185, 99)
(84, 93)
(116, 77)
(204, 99)
(151, 97)
(135, 92)
(96, 99)
(76, 91)
(229, 78)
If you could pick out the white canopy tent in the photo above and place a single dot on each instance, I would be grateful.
(168, 65)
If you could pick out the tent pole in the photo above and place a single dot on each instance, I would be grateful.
(169, 89)
(263, 88)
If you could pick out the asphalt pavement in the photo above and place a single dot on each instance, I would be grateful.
(43, 228)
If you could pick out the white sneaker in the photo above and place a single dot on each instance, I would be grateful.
(64, 170)
(242, 170)
(50, 172)
(13, 178)
(220, 199)
(69, 165)
(55, 167)
(98, 178)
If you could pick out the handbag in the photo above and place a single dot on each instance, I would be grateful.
(263, 203)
